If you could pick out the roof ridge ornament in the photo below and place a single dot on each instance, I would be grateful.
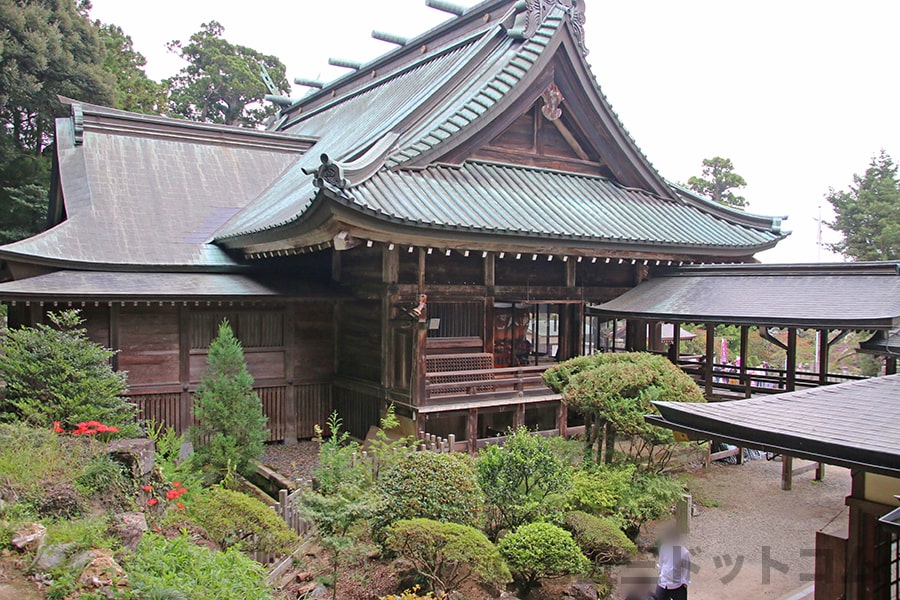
(78, 122)
(328, 175)
(530, 14)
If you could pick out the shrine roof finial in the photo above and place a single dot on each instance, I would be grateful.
(531, 13)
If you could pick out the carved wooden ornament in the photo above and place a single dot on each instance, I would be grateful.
(552, 98)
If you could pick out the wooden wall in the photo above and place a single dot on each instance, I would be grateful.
(289, 350)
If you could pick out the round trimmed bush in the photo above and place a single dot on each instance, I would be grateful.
(232, 519)
(430, 485)
(541, 551)
(599, 538)
(438, 550)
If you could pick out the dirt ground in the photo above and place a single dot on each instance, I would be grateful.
(750, 539)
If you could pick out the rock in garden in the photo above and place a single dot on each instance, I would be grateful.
(137, 454)
(28, 537)
(53, 556)
(304, 576)
(581, 590)
(507, 596)
(320, 592)
(129, 527)
(102, 571)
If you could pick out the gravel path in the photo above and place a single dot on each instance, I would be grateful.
(295, 462)
(742, 512)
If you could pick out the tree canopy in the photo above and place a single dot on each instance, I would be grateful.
(221, 82)
(868, 214)
(134, 91)
(717, 180)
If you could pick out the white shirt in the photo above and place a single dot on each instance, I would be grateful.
(674, 566)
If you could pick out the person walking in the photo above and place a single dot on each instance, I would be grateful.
(674, 568)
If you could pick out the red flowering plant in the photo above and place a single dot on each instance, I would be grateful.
(158, 500)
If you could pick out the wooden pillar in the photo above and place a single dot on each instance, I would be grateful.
(824, 346)
(676, 341)
(472, 430)
(710, 358)
(654, 336)
(184, 369)
(490, 280)
(291, 407)
(787, 472)
(635, 335)
(855, 553)
(418, 392)
(114, 332)
(37, 313)
(571, 273)
(519, 417)
(335, 265)
(820, 471)
(791, 368)
(390, 274)
(421, 271)
(562, 419)
(890, 365)
(744, 377)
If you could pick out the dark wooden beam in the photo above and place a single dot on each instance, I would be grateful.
(824, 347)
(114, 333)
(791, 367)
(184, 366)
(745, 380)
(710, 358)
(291, 408)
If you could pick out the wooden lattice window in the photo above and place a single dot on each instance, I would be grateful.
(442, 363)
(255, 329)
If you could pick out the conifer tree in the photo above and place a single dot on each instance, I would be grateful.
(230, 425)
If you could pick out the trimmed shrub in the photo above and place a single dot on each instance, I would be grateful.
(615, 391)
(232, 519)
(231, 426)
(541, 551)
(650, 497)
(447, 554)
(518, 477)
(178, 569)
(58, 374)
(434, 486)
(600, 538)
(598, 489)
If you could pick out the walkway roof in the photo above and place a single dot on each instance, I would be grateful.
(837, 296)
(854, 424)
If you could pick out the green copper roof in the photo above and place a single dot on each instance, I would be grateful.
(505, 199)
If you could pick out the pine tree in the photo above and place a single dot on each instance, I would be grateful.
(868, 215)
(230, 425)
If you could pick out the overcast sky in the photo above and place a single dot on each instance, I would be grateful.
(800, 94)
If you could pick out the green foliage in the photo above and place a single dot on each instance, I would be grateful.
(133, 90)
(86, 533)
(233, 519)
(430, 485)
(58, 374)
(104, 478)
(518, 477)
(868, 215)
(614, 391)
(221, 83)
(598, 489)
(717, 180)
(231, 426)
(599, 538)
(31, 458)
(340, 503)
(541, 551)
(650, 497)
(179, 569)
(447, 554)
(46, 49)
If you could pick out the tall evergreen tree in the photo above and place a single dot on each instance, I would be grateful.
(717, 180)
(133, 90)
(230, 425)
(868, 214)
(221, 82)
(46, 48)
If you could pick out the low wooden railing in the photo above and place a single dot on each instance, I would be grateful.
(449, 386)
(759, 380)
